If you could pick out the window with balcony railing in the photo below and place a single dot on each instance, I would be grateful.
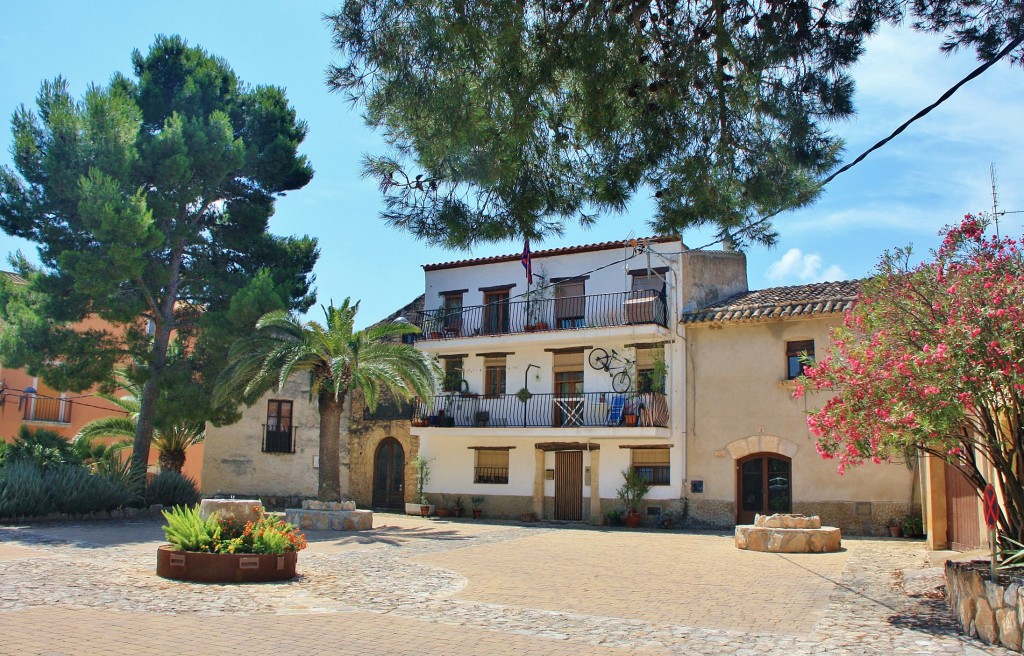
(569, 310)
(43, 408)
(491, 466)
(277, 432)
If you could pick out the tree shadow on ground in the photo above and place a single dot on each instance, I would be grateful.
(395, 536)
(927, 616)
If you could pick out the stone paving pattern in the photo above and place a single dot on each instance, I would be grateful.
(418, 586)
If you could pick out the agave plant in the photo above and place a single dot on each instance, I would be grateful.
(171, 441)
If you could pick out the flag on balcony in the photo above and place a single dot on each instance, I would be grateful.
(527, 264)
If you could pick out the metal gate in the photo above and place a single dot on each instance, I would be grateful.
(962, 521)
(569, 485)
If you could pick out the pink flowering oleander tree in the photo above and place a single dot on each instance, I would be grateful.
(931, 358)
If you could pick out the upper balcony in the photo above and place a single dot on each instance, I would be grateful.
(629, 309)
(598, 414)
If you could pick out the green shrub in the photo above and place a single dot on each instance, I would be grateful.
(27, 489)
(187, 531)
(42, 446)
(172, 489)
(22, 489)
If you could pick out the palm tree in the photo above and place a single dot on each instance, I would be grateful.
(338, 360)
(170, 441)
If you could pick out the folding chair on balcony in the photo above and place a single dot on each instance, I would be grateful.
(615, 410)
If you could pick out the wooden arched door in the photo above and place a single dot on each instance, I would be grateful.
(764, 484)
(389, 475)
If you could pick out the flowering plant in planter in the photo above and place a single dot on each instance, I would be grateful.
(188, 531)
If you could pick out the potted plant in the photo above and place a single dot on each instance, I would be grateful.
(631, 417)
(912, 526)
(524, 395)
(632, 493)
(443, 508)
(457, 506)
(226, 550)
(477, 502)
(614, 518)
(421, 466)
(895, 529)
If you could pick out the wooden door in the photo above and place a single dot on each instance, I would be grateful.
(496, 313)
(389, 475)
(962, 521)
(764, 483)
(569, 485)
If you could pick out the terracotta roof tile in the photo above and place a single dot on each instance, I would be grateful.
(781, 302)
(551, 252)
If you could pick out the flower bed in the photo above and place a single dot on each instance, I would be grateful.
(226, 550)
(986, 610)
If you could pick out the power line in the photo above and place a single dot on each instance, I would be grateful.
(924, 112)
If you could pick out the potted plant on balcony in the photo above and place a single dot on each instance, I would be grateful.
(457, 506)
(632, 493)
(477, 503)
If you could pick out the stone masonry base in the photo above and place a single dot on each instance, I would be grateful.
(990, 611)
(329, 516)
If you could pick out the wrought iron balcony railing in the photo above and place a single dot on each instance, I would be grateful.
(44, 408)
(570, 313)
(586, 409)
(278, 439)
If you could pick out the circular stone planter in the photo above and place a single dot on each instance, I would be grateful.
(224, 568)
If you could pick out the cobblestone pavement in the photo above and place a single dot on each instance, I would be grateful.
(415, 586)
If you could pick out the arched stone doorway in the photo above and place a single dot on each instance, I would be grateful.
(764, 485)
(389, 475)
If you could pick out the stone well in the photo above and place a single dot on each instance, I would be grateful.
(329, 516)
(788, 534)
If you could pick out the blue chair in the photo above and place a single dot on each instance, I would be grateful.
(618, 405)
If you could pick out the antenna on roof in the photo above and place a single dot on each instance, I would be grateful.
(995, 198)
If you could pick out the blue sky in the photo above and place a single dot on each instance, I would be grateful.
(928, 177)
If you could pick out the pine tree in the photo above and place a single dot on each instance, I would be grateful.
(149, 200)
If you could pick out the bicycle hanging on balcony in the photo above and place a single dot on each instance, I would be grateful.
(601, 360)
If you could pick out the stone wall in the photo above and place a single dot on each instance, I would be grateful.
(986, 610)
(857, 517)
(234, 464)
(494, 506)
(364, 438)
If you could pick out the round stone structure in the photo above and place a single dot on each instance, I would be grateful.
(785, 533)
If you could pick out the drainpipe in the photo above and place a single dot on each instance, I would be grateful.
(526, 386)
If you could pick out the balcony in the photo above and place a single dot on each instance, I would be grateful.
(583, 410)
(44, 408)
(569, 313)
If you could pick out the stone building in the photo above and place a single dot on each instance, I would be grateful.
(534, 416)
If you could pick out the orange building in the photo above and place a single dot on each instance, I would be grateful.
(27, 400)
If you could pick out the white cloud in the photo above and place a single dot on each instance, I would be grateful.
(805, 267)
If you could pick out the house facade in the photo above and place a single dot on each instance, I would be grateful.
(552, 389)
(749, 448)
(26, 400)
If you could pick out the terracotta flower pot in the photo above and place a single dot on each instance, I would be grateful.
(476, 513)
(443, 512)
(632, 519)
(425, 510)
(631, 420)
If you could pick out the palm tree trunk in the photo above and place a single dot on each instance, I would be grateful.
(329, 488)
(172, 461)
